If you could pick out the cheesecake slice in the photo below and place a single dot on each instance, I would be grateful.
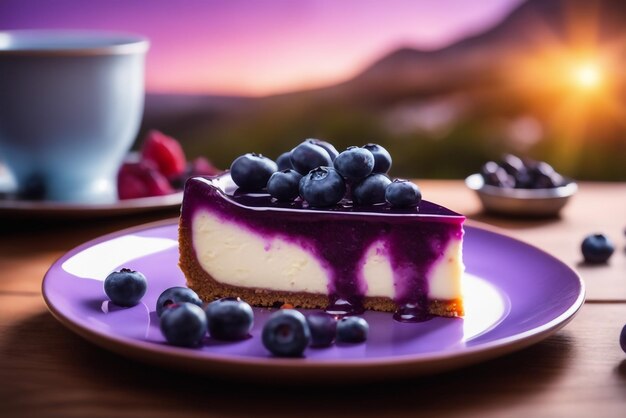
(343, 259)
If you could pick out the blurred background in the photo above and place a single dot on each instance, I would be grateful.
(444, 85)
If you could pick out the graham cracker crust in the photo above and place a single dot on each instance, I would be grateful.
(209, 289)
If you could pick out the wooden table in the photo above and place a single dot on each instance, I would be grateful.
(45, 370)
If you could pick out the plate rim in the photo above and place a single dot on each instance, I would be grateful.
(50, 209)
(405, 364)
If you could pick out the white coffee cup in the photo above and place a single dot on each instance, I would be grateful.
(70, 107)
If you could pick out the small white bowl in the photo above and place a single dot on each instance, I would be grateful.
(521, 202)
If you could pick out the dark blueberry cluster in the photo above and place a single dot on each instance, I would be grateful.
(287, 333)
(184, 322)
(316, 173)
(513, 172)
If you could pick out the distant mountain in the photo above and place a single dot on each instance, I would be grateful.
(477, 58)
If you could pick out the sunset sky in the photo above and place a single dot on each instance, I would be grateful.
(266, 46)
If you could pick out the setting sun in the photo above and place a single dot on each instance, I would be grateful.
(587, 76)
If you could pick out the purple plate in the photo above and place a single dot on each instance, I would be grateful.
(515, 296)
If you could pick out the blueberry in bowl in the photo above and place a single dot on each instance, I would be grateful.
(515, 187)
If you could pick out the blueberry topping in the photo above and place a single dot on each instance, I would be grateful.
(371, 189)
(330, 148)
(355, 163)
(309, 155)
(125, 287)
(403, 194)
(382, 158)
(597, 249)
(352, 329)
(284, 185)
(286, 333)
(184, 325)
(322, 187)
(494, 175)
(176, 296)
(323, 329)
(229, 319)
(622, 339)
(284, 161)
(252, 171)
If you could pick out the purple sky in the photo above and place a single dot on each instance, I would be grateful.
(264, 46)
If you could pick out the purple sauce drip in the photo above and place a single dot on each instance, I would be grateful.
(339, 237)
(410, 312)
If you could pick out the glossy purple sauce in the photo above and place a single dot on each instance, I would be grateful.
(414, 240)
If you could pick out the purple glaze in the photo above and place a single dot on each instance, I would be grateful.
(415, 239)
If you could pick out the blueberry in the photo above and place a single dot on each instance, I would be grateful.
(184, 325)
(522, 179)
(597, 248)
(382, 158)
(252, 171)
(229, 319)
(284, 161)
(515, 167)
(622, 339)
(176, 295)
(371, 189)
(543, 176)
(512, 164)
(323, 329)
(355, 163)
(550, 181)
(309, 155)
(322, 187)
(286, 333)
(330, 148)
(403, 194)
(494, 175)
(284, 185)
(352, 329)
(125, 287)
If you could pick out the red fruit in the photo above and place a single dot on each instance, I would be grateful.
(165, 152)
(141, 179)
(203, 167)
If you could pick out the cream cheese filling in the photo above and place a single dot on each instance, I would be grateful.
(238, 256)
